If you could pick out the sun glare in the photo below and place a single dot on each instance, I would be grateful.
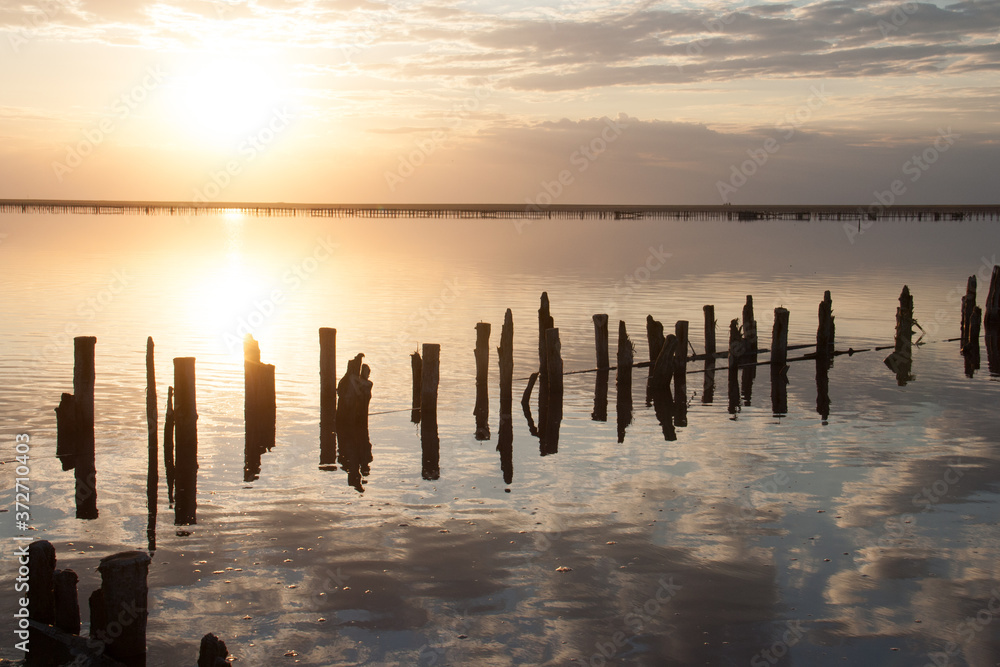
(221, 99)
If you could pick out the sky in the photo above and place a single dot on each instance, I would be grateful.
(452, 101)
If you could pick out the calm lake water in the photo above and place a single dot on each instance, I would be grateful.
(869, 537)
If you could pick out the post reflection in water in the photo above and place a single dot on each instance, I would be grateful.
(708, 388)
(664, 405)
(354, 393)
(993, 349)
(505, 446)
(823, 387)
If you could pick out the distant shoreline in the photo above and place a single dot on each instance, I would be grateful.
(744, 212)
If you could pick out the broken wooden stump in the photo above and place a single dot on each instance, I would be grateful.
(259, 408)
(601, 341)
(430, 444)
(67, 432)
(735, 352)
(553, 416)
(66, 601)
(41, 570)
(505, 357)
(623, 380)
(900, 361)
(482, 355)
(124, 594)
(662, 369)
(185, 443)
(749, 329)
(680, 372)
(654, 342)
(709, 331)
(779, 339)
(354, 392)
(327, 396)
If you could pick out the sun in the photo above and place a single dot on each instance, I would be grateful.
(217, 100)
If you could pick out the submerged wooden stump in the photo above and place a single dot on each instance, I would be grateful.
(66, 601)
(41, 571)
(901, 359)
(212, 652)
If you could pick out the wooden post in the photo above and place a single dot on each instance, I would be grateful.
(83, 398)
(601, 341)
(779, 339)
(680, 360)
(152, 427)
(991, 311)
(654, 339)
(327, 396)
(185, 443)
(600, 413)
(749, 328)
(825, 330)
(125, 591)
(553, 360)
(505, 353)
(430, 444)
(41, 570)
(482, 354)
(623, 380)
(416, 367)
(663, 367)
(67, 602)
(968, 313)
(735, 352)
(251, 349)
(67, 432)
(901, 359)
(709, 332)
(429, 376)
(168, 445)
(545, 322)
(212, 652)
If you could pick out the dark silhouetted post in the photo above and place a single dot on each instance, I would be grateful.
(416, 366)
(825, 330)
(601, 341)
(735, 352)
(991, 312)
(430, 445)
(623, 380)
(505, 354)
(67, 602)
(749, 328)
(709, 331)
(152, 426)
(901, 359)
(680, 372)
(482, 354)
(168, 445)
(327, 396)
(779, 339)
(124, 591)
(970, 318)
(663, 366)
(654, 340)
(185, 443)
(41, 570)
(83, 397)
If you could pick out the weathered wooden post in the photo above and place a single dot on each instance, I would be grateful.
(41, 570)
(66, 601)
(505, 355)
(185, 443)
(327, 396)
(735, 352)
(152, 426)
(749, 328)
(623, 380)
(970, 318)
(680, 372)
(991, 311)
(168, 445)
(83, 398)
(825, 330)
(416, 368)
(709, 331)
(654, 340)
(430, 445)
(601, 341)
(901, 359)
(779, 339)
(545, 322)
(663, 366)
(482, 354)
(553, 417)
(124, 592)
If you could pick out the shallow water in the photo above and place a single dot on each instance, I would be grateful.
(752, 538)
